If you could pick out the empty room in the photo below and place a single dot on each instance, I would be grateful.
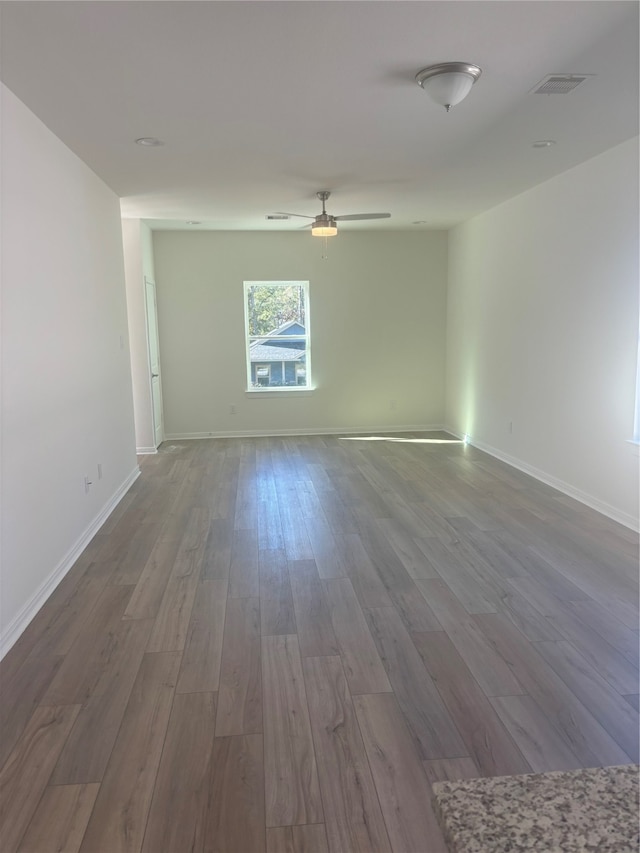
(320, 431)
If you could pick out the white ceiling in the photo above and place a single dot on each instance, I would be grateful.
(261, 104)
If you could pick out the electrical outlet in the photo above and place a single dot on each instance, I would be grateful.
(510, 427)
(232, 409)
(392, 405)
(99, 470)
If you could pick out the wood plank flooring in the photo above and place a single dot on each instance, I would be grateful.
(276, 645)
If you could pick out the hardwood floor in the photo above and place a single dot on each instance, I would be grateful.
(277, 645)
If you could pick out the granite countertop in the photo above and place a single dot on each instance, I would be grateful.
(578, 811)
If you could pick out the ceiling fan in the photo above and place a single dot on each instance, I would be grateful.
(326, 225)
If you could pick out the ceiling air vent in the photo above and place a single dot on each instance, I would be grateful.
(276, 216)
(559, 84)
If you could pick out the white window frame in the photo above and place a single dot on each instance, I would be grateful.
(250, 339)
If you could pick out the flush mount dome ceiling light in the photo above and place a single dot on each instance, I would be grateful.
(448, 83)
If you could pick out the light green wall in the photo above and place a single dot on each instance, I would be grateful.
(378, 305)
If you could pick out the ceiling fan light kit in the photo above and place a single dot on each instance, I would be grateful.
(324, 226)
(448, 83)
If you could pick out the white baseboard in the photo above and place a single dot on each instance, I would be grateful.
(566, 488)
(146, 451)
(14, 629)
(187, 436)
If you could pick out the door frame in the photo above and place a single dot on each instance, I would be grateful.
(156, 432)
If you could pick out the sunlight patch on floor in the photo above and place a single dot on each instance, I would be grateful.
(405, 440)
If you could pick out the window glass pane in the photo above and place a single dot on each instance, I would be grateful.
(278, 363)
(276, 309)
(277, 334)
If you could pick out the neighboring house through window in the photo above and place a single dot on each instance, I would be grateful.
(277, 335)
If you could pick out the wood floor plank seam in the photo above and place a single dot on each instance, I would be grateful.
(320, 794)
(370, 765)
(588, 686)
(27, 688)
(621, 674)
(277, 609)
(290, 760)
(113, 787)
(565, 712)
(355, 821)
(201, 659)
(28, 825)
(191, 761)
(361, 660)
(48, 831)
(155, 781)
(239, 705)
(511, 760)
(616, 688)
(84, 757)
(35, 755)
(407, 808)
(435, 732)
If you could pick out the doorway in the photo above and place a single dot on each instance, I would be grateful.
(154, 360)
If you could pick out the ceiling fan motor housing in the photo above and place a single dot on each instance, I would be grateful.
(326, 219)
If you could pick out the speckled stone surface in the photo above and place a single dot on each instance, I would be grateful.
(579, 811)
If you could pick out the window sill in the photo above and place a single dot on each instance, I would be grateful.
(254, 393)
(634, 446)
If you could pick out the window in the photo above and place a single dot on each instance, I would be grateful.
(277, 335)
(263, 374)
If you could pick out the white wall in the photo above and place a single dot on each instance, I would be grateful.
(138, 264)
(377, 308)
(542, 330)
(66, 386)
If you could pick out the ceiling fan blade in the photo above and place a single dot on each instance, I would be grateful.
(352, 216)
(284, 213)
